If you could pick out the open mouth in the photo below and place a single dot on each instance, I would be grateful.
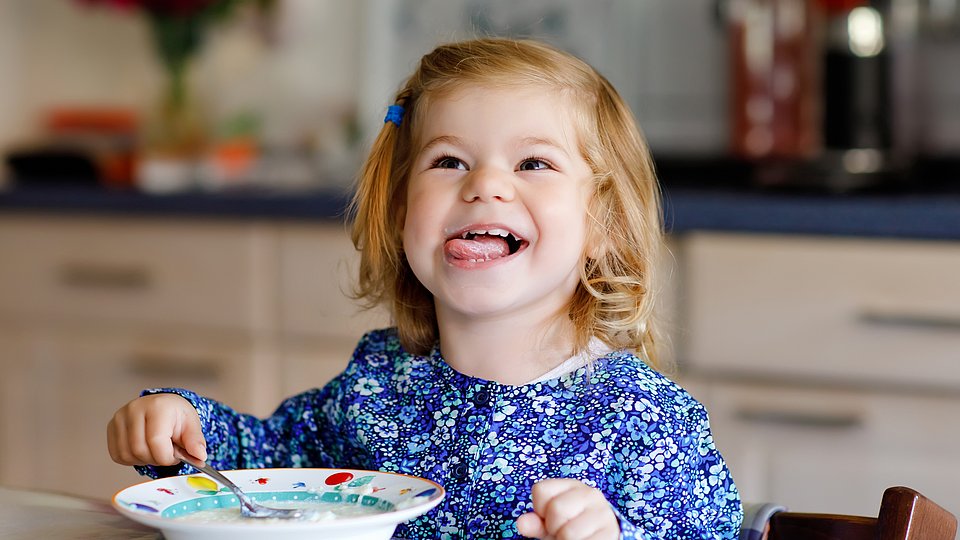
(480, 245)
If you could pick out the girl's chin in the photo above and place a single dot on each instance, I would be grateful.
(476, 304)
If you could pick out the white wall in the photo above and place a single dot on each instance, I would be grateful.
(667, 58)
(328, 61)
(62, 52)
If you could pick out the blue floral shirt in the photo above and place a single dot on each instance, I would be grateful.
(615, 424)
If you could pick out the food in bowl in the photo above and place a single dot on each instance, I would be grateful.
(350, 504)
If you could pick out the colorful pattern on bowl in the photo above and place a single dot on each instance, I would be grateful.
(159, 503)
(230, 501)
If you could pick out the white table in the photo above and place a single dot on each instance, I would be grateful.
(30, 515)
(35, 515)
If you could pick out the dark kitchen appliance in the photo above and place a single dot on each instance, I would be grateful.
(824, 92)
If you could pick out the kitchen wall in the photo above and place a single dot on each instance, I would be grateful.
(10, 73)
(317, 71)
(298, 71)
(316, 66)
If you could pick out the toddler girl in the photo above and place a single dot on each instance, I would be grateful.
(509, 215)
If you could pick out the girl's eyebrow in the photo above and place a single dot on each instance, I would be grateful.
(453, 140)
(442, 139)
(541, 141)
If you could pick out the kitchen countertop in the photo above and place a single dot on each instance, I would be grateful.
(314, 204)
(934, 216)
(925, 215)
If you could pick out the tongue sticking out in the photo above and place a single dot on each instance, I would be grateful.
(481, 247)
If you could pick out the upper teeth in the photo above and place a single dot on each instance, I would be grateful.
(493, 232)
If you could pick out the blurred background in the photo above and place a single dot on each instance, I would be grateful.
(174, 175)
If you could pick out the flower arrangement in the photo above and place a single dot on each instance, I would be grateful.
(178, 28)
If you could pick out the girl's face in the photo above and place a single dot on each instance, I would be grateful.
(495, 221)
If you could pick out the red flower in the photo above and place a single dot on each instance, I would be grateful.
(174, 8)
(121, 4)
(161, 8)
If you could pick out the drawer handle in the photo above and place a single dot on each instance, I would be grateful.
(103, 277)
(165, 367)
(905, 318)
(804, 419)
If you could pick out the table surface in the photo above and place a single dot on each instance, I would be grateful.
(29, 515)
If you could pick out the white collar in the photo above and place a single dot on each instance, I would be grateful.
(595, 349)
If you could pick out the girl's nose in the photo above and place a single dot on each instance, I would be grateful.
(488, 184)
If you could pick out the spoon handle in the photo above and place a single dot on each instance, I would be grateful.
(202, 466)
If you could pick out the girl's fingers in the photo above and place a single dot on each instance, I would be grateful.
(569, 509)
(191, 434)
(604, 535)
(143, 431)
(135, 437)
(122, 452)
(594, 523)
(531, 526)
(158, 432)
(560, 500)
(112, 441)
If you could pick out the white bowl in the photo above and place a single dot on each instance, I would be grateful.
(158, 503)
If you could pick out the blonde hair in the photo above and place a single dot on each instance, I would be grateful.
(615, 298)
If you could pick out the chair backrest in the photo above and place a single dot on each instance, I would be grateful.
(904, 515)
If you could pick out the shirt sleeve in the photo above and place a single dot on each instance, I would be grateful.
(300, 433)
(670, 481)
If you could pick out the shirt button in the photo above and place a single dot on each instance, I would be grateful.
(481, 398)
(460, 470)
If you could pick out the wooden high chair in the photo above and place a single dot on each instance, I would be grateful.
(904, 515)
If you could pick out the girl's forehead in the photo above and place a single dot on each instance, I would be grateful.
(555, 106)
(504, 91)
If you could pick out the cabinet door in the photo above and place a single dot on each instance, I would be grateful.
(138, 272)
(870, 311)
(834, 451)
(312, 363)
(62, 386)
(318, 268)
(320, 324)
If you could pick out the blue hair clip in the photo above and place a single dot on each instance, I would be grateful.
(394, 114)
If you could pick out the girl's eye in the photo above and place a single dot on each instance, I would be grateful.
(448, 162)
(533, 164)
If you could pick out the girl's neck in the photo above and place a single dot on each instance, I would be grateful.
(504, 350)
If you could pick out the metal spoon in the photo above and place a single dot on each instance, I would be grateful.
(248, 507)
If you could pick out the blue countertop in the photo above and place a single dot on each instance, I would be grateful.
(902, 215)
(893, 215)
(316, 205)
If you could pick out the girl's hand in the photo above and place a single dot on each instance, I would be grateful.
(144, 431)
(567, 509)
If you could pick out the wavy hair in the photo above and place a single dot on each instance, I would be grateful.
(615, 298)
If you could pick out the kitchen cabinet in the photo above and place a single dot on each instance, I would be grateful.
(95, 309)
(861, 310)
(829, 365)
(62, 384)
(319, 322)
(834, 450)
(138, 271)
